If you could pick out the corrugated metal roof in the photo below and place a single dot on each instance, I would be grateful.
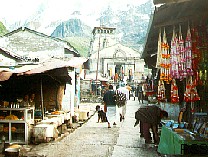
(47, 65)
(57, 63)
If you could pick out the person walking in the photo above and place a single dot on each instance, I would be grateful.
(110, 106)
(140, 92)
(122, 109)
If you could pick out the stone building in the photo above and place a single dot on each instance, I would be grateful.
(29, 58)
(111, 59)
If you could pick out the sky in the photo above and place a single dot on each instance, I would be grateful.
(19, 10)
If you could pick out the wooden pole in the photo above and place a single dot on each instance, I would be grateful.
(98, 58)
(41, 94)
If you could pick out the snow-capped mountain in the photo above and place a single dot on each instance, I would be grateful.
(130, 20)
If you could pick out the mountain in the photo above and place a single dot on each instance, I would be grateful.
(131, 23)
(72, 28)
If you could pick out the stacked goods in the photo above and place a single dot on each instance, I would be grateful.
(13, 129)
(55, 113)
(6, 129)
(11, 117)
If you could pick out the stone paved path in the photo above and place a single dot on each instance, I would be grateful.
(94, 139)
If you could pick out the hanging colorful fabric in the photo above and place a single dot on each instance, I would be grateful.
(159, 54)
(195, 51)
(165, 60)
(191, 94)
(182, 62)
(174, 92)
(161, 91)
(188, 53)
(174, 60)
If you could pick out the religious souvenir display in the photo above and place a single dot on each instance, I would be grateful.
(165, 60)
(159, 51)
(174, 92)
(188, 53)
(175, 59)
(161, 91)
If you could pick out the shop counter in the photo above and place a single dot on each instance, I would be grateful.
(45, 132)
(181, 143)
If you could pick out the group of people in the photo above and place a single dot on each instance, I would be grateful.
(114, 112)
(28, 101)
(148, 116)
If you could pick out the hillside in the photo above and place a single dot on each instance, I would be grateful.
(81, 44)
(3, 29)
(131, 26)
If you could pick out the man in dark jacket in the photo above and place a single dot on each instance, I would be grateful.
(109, 101)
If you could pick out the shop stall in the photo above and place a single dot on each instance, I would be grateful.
(51, 126)
(177, 139)
(27, 101)
(177, 49)
(181, 142)
(16, 124)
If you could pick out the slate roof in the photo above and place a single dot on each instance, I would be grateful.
(24, 39)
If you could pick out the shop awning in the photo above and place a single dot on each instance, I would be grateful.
(57, 63)
(50, 64)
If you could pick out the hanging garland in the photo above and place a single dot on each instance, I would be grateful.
(196, 57)
(165, 60)
(161, 91)
(174, 92)
(159, 53)
(191, 94)
(182, 61)
(188, 53)
(174, 56)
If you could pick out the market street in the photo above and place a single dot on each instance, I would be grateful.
(95, 139)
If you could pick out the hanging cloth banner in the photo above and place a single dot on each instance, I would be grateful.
(165, 60)
(159, 54)
(161, 91)
(182, 62)
(188, 53)
(191, 94)
(174, 92)
(174, 56)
